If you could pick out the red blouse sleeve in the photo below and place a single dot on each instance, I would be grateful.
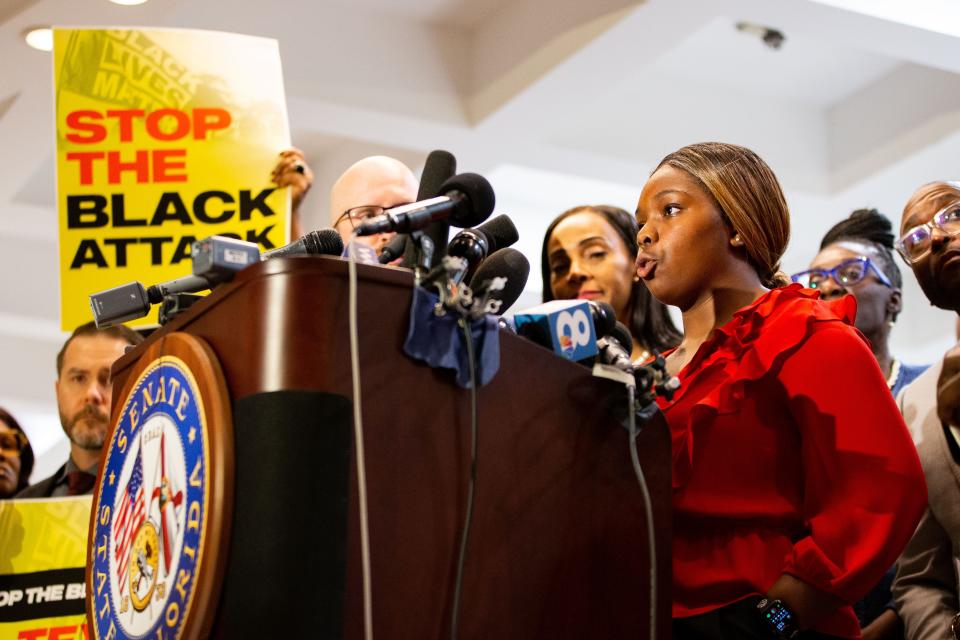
(862, 478)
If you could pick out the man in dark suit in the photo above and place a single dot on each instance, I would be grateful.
(83, 398)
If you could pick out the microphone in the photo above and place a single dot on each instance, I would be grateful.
(468, 200)
(393, 249)
(615, 347)
(536, 325)
(119, 304)
(474, 245)
(207, 271)
(621, 334)
(186, 284)
(215, 260)
(604, 317)
(565, 326)
(439, 167)
(325, 242)
(505, 263)
(132, 300)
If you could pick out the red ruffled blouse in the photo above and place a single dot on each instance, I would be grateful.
(789, 456)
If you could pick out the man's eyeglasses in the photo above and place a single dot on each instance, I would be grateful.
(844, 274)
(357, 215)
(12, 442)
(916, 243)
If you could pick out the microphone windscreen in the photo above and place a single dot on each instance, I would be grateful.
(621, 334)
(510, 264)
(604, 318)
(326, 242)
(500, 232)
(439, 167)
(479, 199)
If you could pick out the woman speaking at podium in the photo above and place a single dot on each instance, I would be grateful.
(795, 482)
(588, 253)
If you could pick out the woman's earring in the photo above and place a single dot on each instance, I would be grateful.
(736, 241)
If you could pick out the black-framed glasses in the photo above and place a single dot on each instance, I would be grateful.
(846, 273)
(357, 215)
(916, 243)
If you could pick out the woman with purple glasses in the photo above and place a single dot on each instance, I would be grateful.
(856, 257)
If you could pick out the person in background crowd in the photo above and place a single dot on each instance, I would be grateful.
(365, 190)
(16, 456)
(588, 253)
(925, 589)
(83, 399)
(795, 482)
(856, 257)
(292, 171)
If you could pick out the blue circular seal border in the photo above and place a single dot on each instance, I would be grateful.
(186, 410)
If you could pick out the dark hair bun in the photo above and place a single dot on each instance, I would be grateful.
(862, 224)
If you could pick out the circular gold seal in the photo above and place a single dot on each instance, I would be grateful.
(158, 540)
(144, 560)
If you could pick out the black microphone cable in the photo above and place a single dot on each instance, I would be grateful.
(629, 380)
(472, 482)
(632, 433)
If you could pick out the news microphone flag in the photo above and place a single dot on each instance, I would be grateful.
(566, 326)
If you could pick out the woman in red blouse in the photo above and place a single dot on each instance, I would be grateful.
(796, 484)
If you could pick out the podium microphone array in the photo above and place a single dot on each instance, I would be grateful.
(439, 167)
(215, 260)
(465, 200)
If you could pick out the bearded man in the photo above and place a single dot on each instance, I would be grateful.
(84, 394)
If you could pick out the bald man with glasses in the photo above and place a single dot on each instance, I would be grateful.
(366, 190)
(926, 586)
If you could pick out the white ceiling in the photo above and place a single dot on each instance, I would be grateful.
(458, 13)
(806, 71)
(559, 102)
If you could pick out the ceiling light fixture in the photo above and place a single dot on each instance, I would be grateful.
(40, 38)
(771, 37)
(128, 3)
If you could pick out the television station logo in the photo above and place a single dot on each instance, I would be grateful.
(151, 508)
(574, 331)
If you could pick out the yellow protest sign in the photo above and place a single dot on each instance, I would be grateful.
(43, 550)
(164, 136)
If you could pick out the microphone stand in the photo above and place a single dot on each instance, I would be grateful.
(423, 249)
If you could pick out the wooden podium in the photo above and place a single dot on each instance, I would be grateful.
(558, 544)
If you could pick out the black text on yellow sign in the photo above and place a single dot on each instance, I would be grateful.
(151, 166)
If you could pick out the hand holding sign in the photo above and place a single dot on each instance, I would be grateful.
(162, 140)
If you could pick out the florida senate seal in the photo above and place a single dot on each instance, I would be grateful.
(151, 510)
